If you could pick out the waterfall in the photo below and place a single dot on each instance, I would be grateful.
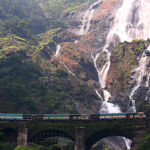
(128, 143)
(108, 108)
(57, 54)
(141, 71)
(57, 50)
(86, 19)
(67, 67)
(130, 22)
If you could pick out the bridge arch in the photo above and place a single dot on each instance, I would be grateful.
(97, 136)
(10, 134)
(43, 137)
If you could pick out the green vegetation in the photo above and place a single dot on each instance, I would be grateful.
(7, 146)
(27, 18)
(53, 9)
(12, 43)
(1, 136)
(22, 17)
(27, 88)
(25, 148)
(124, 59)
(145, 143)
(29, 81)
(102, 144)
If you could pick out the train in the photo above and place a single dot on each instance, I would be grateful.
(45, 117)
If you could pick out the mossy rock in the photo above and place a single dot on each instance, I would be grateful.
(23, 148)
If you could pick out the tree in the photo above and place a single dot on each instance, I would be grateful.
(1, 136)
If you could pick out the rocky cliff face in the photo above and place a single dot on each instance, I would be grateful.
(99, 51)
(112, 37)
(99, 27)
(87, 47)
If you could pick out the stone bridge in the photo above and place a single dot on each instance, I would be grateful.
(84, 134)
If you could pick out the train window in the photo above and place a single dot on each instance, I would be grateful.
(141, 113)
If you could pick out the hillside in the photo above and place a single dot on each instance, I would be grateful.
(74, 56)
(32, 80)
(63, 45)
(27, 18)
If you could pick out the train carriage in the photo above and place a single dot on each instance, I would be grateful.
(71, 116)
(107, 116)
(11, 116)
(56, 117)
(27, 116)
(37, 116)
(78, 116)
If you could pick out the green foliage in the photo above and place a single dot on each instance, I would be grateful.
(124, 59)
(11, 44)
(33, 147)
(1, 136)
(26, 18)
(22, 17)
(102, 144)
(23, 148)
(27, 88)
(145, 143)
(53, 8)
(29, 82)
(7, 146)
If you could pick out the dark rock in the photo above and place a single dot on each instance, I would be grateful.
(147, 53)
(140, 94)
(89, 68)
(112, 143)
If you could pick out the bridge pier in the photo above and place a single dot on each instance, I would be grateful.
(79, 139)
(138, 134)
(22, 135)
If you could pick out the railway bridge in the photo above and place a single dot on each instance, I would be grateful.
(82, 133)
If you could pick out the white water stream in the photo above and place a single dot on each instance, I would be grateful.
(86, 19)
(140, 72)
(67, 68)
(130, 22)
(57, 54)
(57, 50)
(128, 143)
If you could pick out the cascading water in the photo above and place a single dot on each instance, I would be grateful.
(57, 50)
(86, 19)
(57, 54)
(67, 68)
(130, 22)
(128, 143)
(141, 72)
